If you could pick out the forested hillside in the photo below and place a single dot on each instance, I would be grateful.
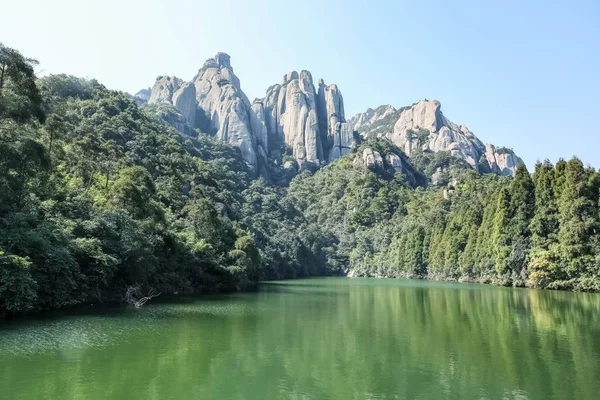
(98, 197)
(538, 231)
(101, 199)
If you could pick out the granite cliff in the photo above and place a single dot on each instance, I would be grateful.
(298, 120)
(423, 127)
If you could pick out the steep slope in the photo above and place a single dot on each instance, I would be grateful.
(423, 127)
(224, 109)
(296, 119)
(292, 115)
(312, 123)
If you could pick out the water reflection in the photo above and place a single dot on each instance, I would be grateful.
(318, 339)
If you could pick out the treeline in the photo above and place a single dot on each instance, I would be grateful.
(99, 198)
(539, 230)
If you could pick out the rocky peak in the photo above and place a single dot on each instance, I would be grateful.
(224, 110)
(338, 135)
(223, 59)
(423, 127)
(290, 76)
(163, 89)
(172, 90)
(375, 123)
(143, 96)
(311, 121)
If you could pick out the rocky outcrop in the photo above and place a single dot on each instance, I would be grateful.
(174, 91)
(374, 123)
(337, 134)
(501, 161)
(173, 117)
(143, 96)
(291, 117)
(292, 114)
(224, 109)
(394, 161)
(311, 123)
(423, 127)
(184, 99)
(215, 103)
(369, 158)
(384, 161)
(163, 89)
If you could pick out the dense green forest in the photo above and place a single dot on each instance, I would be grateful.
(100, 198)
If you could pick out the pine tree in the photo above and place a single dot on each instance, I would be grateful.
(544, 225)
(522, 202)
(484, 253)
(500, 240)
(577, 218)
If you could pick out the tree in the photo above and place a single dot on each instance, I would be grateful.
(17, 286)
(577, 218)
(500, 239)
(522, 202)
(20, 98)
(544, 225)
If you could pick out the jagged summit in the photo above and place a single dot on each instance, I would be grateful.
(423, 127)
(310, 121)
(292, 114)
(223, 59)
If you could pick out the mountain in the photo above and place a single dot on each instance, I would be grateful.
(307, 126)
(423, 127)
(292, 115)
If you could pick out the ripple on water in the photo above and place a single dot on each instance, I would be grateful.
(72, 332)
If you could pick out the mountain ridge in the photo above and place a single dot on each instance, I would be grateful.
(309, 122)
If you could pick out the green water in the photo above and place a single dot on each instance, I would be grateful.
(333, 338)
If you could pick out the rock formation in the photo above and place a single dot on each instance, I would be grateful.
(291, 117)
(369, 158)
(143, 96)
(172, 90)
(336, 133)
(501, 161)
(224, 109)
(384, 161)
(423, 127)
(311, 124)
(184, 99)
(175, 118)
(374, 123)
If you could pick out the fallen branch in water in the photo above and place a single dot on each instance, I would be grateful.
(132, 293)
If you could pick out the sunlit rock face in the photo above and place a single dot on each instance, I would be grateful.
(308, 123)
(378, 122)
(423, 127)
(182, 95)
(387, 161)
(291, 117)
(143, 96)
(224, 109)
(501, 161)
(292, 114)
(311, 122)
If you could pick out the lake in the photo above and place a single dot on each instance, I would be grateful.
(330, 338)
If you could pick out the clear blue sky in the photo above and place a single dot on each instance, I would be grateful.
(524, 74)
